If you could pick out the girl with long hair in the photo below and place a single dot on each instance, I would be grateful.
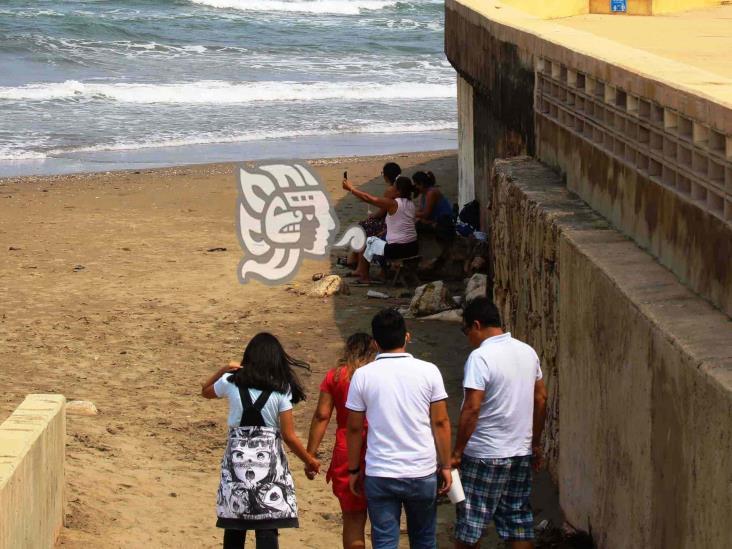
(256, 491)
(359, 350)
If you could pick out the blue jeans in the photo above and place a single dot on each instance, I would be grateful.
(385, 497)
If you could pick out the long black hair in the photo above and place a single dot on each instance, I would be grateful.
(427, 180)
(404, 187)
(391, 171)
(267, 367)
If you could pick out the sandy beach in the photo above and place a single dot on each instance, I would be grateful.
(109, 294)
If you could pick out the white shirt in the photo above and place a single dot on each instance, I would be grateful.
(400, 227)
(277, 402)
(396, 391)
(507, 370)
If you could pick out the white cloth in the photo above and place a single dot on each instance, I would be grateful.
(400, 226)
(396, 391)
(507, 370)
(374, 246)
(277, 403)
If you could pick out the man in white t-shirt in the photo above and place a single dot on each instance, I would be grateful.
(501, 421)
(405, 403)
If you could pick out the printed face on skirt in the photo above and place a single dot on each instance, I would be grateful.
(251, 460)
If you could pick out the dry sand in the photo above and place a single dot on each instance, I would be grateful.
(109, 294)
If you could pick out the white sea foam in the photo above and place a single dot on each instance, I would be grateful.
(8, 153)
(218, 92)
(341, 7)
(214, 138)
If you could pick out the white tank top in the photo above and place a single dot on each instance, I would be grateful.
(400, 227)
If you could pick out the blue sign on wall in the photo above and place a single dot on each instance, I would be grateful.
(618, 6)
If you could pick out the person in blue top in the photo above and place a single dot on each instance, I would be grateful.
(434, 213)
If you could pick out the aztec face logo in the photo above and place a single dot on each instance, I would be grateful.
(284, 215)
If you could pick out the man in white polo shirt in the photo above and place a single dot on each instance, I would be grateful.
(405, 403)
(501, 421)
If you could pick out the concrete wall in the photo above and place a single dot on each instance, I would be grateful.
(466, 152)
(502, 96)
(641, 369)
(496, 51)
(32, 453)
(634, 7)
(671, 6)
(550, 8)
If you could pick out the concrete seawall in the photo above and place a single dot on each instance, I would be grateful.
(639, 368)
(32, 443)
(646, 141)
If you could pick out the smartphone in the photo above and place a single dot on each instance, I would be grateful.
(345, 175)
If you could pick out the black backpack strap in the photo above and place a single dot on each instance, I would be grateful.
(246, 398)
(262, 400)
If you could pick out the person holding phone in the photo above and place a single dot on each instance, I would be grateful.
(401, 232)
(375, 223)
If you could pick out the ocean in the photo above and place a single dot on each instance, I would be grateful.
(90, 85)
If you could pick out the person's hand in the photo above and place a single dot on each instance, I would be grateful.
(537, 460)
(232, 367)
(455, 460)
(347, 185)
(310, 473)
(445, 481)
(354, 483)
(313, 465)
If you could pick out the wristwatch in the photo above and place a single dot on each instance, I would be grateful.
(355, 471)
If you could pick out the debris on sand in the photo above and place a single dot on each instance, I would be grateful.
(453, 315)
(377, 295)
(216, 250)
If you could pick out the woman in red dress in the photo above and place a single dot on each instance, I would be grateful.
(333, 394)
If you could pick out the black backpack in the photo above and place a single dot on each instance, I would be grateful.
(470, 214)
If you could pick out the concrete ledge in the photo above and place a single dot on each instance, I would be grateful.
(699, 94)
(32, 453)
(640, 368)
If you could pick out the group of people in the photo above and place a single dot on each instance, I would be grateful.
(393, 439)
(392, 229)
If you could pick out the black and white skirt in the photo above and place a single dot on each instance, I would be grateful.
(256, 491)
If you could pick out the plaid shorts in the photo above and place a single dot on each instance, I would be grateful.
(497, 489)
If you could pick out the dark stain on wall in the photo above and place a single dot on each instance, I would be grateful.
(687, 239)
(503, 95)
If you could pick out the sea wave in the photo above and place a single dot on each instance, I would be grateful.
(217, 138)
(340, 7)
(219, 92)
(12, 153)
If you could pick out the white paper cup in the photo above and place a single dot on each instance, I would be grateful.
(456, 494)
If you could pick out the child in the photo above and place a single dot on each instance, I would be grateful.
(256, 491)
(333, 393)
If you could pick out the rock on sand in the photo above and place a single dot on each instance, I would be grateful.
(430, 299)
(327, 286)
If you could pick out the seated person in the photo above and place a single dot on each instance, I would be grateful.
(374, 224)
(434, 213)
(401, 231)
